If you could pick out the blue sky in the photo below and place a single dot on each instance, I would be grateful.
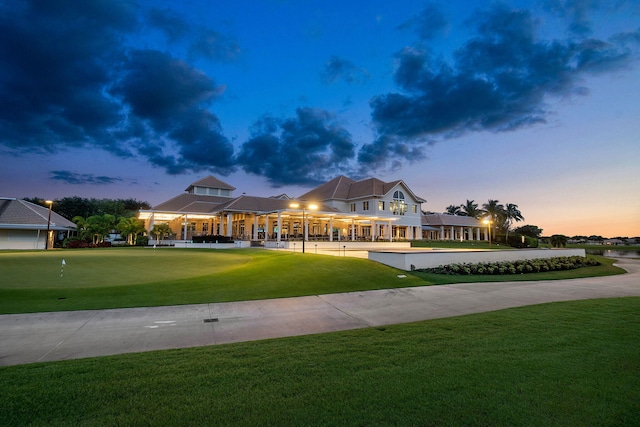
(532, 103)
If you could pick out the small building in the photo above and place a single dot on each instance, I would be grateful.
(342, 209)
(24, 225)
(436, 226)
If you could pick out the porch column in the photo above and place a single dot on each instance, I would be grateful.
(486, 236)
(390, 231)
(255, 226)
(374, 225)
(461, 234)
(184, 227)
(452, 235)
(442, 232)
(331, 225)
(229, 224)
(266, 227)
(478, 233)
(305, 232)
(279, 236)
(221, 225)
(353, 230)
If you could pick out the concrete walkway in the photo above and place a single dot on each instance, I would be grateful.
(41, 337)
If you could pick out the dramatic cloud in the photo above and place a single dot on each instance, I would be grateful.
(341, 69)
(69, 79)
(53, 71)
(82, 178)
(501, 80)
(430, 23)
(304, 149)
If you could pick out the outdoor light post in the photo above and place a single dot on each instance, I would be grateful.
(46, 240)
(304, 207)
(488, 222)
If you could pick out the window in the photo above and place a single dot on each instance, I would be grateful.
(414, 209)
(398, 205)
(353, 207)
(205, 227)
(381, 205)
(365, 206)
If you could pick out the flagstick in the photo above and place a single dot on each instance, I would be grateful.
(62, 268)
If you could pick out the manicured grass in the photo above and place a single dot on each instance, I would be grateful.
(117, 278)
(142, 277)
(559, 364)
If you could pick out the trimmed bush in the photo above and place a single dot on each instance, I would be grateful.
(517, 267)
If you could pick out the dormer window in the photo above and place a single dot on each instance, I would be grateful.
(398, 206)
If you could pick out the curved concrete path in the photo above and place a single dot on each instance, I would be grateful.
(42, 337)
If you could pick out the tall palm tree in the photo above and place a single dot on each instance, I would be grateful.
(130, 227)
(471, 209)
(494, 210)
(512, 213)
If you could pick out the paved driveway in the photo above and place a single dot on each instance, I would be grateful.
(40, 337)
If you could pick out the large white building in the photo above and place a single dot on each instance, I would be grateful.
(339, 210)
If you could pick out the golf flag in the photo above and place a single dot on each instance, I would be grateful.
(62, 268)
(63, 263)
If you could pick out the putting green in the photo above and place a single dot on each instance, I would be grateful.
(111, 267)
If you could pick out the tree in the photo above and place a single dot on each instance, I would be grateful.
(453, 210)
(100, 226)
(495, 211)
(511, 213)
(529, 230)
(130, 227)
(559, 240)
(470, 208)
(161, 231)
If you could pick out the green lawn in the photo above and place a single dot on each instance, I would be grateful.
(559, 364)
(143, 277)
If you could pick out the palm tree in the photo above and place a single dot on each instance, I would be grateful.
(130, 227)
(511, 213)
(495, 211)
(453, 210)
(558, 240)
(161, 231)
(471, 209)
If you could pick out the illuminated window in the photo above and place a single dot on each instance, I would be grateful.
(353, 207)
(381, 205)
(365, 206)
(398, 205)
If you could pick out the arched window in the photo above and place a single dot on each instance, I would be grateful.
(398, 205)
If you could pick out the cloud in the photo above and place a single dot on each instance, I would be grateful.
(304, 149)
(337, 68)
(53, 71)
(82, 178)
(171, 125)
(64, 86)
(430, 23)
(501, 79)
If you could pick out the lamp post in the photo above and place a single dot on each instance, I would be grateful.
(46, 240)
(488, 222)
(304, 207)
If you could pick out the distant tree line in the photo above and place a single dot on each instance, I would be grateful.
(71, 207)
(96, 219)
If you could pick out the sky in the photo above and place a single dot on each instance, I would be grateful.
(534, 103)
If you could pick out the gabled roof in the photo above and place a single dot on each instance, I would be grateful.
(183, 202)
(437, 220)
(20, 214)
(337, 188)
(343, 188)
(211, 182)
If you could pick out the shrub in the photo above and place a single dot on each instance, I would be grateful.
(516, 267)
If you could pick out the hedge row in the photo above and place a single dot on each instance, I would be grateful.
(515, 267)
